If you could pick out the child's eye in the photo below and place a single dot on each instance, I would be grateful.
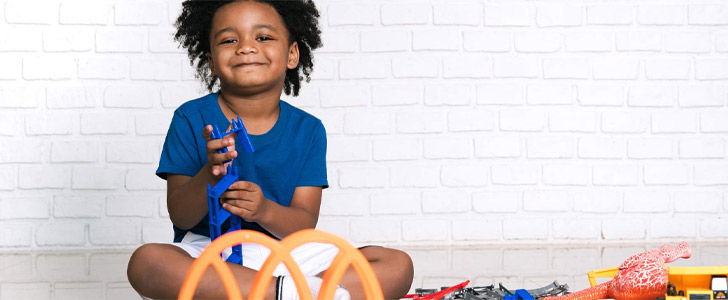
(264, 38)
(228, 41)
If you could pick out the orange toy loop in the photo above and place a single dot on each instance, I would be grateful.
(281, 252)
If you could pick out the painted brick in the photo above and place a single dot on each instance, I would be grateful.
(475, 230)
(14, 151)
(669, 228)
(131, 152)
(516, 67)
(565, 174)
(563, 68)
(508, 15)
(549, 94)
(552, 16)
(436, 39)
(609, 14)
(464, 175)
(72, 97)
(651, 96)
(438, 148)
(601, 147)
(128, 13)
(339, 41)
(546, 201)
(48, 67)
(26, 290)
(711, 68)
(12, 67)
(425, 230)
(15, 235)
(375, 230)
(22, 39)
(522, 120)
(396, 149)
(395, 203)
(487, 41)
(445, 201)
(175, 95)
(77, 207)
(661, 14)
(8, 178)
(152, 123)
(625, 122)
(61, 234)
(515, 174)
(85, 13)
(396, 94)
(29, 12)
(449, 94)
(638, 41)
(10, 124)
(647, 201)
(103, 68)
(721, 42)
(588, 41)
(74, 151)
(363, 68)
(687, 42)
(667, 68)
(467, 67)
(415, 176)
(458, 14)
(685, 202)
(526, 229)
(19, 266)
(362, 177)
(163, 211)
(575, 229)
(497, 201)
(130, 206)
(142, 179)
(714, 121)
(550, 147)
(420, 122)
(50, 123)
(119, 41)
(347, 149)
(505, 94)
(358, 123)
(109, 266)
(338, 227)
(37, 207)
(714, 228)
(705, 147)
(104, 123)
(538, 42)
(600, 95)
(125, 233)
(352, 14)
(66, 39)
(77, 290)
(522, 260)
(674, 122)
(709, 14)
(158, 69)
(643, 148)
(470, 120)
(162, 41)
(711, 174)
(385, 41)
(576, 259)
(96, 178)
(333, 121)
(345, 96)
(345, 204)
(497, 146)
(41, 177)
(405, 13)
(415, 67)
(616, 68)
(667, 174)
(572, 121)
(605, 202)
(616, 175)
(701, 96)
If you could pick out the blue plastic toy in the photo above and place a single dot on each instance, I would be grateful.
(519, 294)
(217, 214)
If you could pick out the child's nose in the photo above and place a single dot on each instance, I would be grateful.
(246, 46)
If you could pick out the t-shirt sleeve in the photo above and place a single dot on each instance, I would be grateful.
(314, 168)
(179, 153)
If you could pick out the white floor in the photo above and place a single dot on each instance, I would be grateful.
(102, 274)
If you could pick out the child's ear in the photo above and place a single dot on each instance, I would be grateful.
(293, 55)
(211, 64)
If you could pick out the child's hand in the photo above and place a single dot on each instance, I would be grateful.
(214, 159)
(245, 199)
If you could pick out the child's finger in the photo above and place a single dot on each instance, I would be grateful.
(220, 158)
(207, 132)
(226, 142)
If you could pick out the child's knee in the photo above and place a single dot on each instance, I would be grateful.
(140, 264)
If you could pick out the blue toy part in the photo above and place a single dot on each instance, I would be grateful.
(519, 294)
(218, 215)
(242, 134)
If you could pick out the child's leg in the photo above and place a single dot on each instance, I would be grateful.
(158, 270)
(393, 268)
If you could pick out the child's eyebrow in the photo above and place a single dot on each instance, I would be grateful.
(258, 26)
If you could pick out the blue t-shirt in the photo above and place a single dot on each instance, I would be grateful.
(291, 154)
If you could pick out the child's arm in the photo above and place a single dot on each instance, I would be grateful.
(187, 196)
(246, 200)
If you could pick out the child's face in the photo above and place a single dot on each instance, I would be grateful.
(249, 47)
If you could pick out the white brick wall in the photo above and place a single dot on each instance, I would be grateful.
(580, 120)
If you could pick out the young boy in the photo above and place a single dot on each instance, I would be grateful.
(256, 50)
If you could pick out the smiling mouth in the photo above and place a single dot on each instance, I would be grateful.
(243, 65)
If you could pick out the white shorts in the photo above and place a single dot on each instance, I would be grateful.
(312, 258)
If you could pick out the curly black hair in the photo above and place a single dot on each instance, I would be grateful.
(300, 17)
